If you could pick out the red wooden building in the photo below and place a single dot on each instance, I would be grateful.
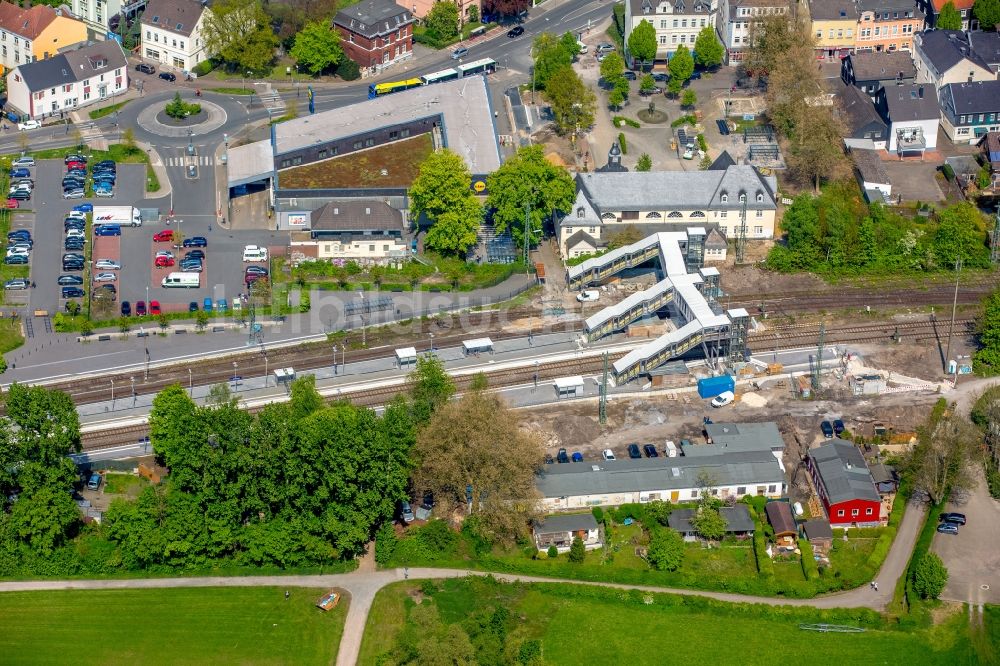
(375, 33)
(845, 485)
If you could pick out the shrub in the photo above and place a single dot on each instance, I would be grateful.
(203, 68)
(480, 544)
(348, 70)
(598, 513)
(809, 567)
(684, 120)
(765, 567)
(930, 576)
(385, 543)
(553, 552)
(621, 142)
(177, 108)
(622, 120)
(881, 548)
(438, 537)
(577, 551)
(702, 143)
(666, 549)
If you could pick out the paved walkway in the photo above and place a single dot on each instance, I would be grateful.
(362, 585)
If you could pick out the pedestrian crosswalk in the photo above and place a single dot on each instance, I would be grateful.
(200, 160)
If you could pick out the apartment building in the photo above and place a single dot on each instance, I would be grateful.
(172, 33)
(736, 18)
(27, 35)
(887, 25)
(676, 21)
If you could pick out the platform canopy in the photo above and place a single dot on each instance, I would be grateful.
(477, 345)
(569, 384)
(406, 355)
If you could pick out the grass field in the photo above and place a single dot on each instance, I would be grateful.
(618, 630)
(175, 626)
(400, 159)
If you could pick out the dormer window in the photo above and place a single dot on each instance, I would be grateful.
(725, 198)
(580, 212)
(743, 198)
(760, 197)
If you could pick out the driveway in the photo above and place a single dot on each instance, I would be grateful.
(912, 180)
(973, 555)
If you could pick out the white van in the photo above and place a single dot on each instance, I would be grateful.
(254, 253)
(182, 280)
(583, 47)
(670, 449)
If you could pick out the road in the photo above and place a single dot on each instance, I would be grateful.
(363, 585)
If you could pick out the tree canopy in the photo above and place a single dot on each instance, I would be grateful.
(930, 576)
(238, 32)
(551, 54)
(949, 18)
(681, 69)
(987, 12)
(666, 549)
(987, 357)
(708, 50)
(317, 47)
(528, 179)
(573, 102)
(642, 42)
(442, 20)
(442, 192)
(430, 387)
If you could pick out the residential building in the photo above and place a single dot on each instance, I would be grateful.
(860, 117)
(736, 18)
(991, 150)
(887, 25)
(745, 459)
(945, 56)
(986, 45)
(465, 8)
(871, 71)
(560, 530)
(913, 116)
(833, 25)
(172, 33)
(970, 110)
(779, 514)
(375, 34)
(872, 175)
(819, 535)
(366, 231)
(669, 200)
(37, 33)
(676, 22)
(932, 9)
(844, 484)
(738, 521)
(716, 246)
(97, 14)
(68, 80)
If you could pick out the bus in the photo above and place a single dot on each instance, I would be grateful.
(484, 66)
(439, 77)
(379, 89)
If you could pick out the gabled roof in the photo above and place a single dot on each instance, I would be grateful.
(879, 66)
(28, 23)
(915, 101)
(722, 162)
(992, 144)
(356, 215)
(944, 49)
(373, 17)
(582, 236)
(986, 45)
(886, 6)
(644, 8)
(833, 10)
(737, 519)
(870, 166)
(975, 97)
(565, 522)
(177, 16)
(959, 5)
(716, 239)
(857, 109)
(72, 66)
(780, 516)
(817, 529)
(844, 472)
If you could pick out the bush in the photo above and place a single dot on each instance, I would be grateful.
(577, 551)
(930, 576)
(553, 552)
(348, 70)
(702, 143)
(948, 172)
(684, 120)
(385, 543)
(598, 513)
(621, 142)
(178, 109)
(203, 68)
(480, 544)
(438, 537)
(809, 568)
(666, 549)
(765, 567)
(622, 120)
(881, 549)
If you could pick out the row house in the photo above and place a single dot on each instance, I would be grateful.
(833, 24)
(27, 35)
(676, 22)
(467, 9)
(172, 33)
(887, 25)
(970, 110)
(375, 34)
(932, 9)
(68, 80)
(736, 18)
(946, 56)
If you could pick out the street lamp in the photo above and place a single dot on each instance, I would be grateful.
(236, 378)
(432, 342)
(190, 384)
(133, 390)
(112, 393)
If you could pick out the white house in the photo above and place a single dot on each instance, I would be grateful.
(735, 20)
(97, 13)
(560, 530)
(913, 116)
(68, 80)
(172, 33)
(946, 56)
(676, 21)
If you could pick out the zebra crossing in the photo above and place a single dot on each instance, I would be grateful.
(200, 160)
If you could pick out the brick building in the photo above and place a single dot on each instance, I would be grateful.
(375, 34)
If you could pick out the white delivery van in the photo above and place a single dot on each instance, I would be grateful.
(670, 449)
(583, 47)
(254, 253)
(126, 216)
(182, 280)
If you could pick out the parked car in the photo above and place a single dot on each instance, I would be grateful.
(72, 265)
(74, 193)
(23, 234)
(405, 512)
(193, 306)
(24, 162)
(605, 47)
(12, 203)
(145, 69)
(660, 77)
(74, 245)
(195, 241)
(106, 163)
(459, 53)
(154, 308)
(105, 277)
(107, 230)
(94, 482)
(70, 280)
(947, 528)
(75, 157)
(165, 253)
(633, 451)
(253, 270)
(16, 283)
(76, 165)
(107, 264)
(163, 236)
(952, 517)
(723, 399)
(838, 427)
(191, 266)
(103, 190)
(588, 296)
(140, 308)
(608, 454)
(20, 172)
(198, 254)
(577, 456)
(207, 304)
(163, 262)
(72, 292)
(562, 457)
(28, 125)
(74, 257)
(723, 127)
(74, 232)
(16, 260)
(168, 76)
(827, 429)
(18, 195)
(629, 74)
(650, 451)
(516, 31)
(84, 208)
(126, 309)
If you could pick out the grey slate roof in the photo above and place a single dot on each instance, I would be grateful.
(986, 45)
(817, 529)
(870, 166)
(844, 472)
(357, 215)
(946, 48)
(679, 6)
(858, 110)
(373, 17)
(968, 98)
(566, 522)
(72, 66)
(916, 101)
(833, 10)
(658, 474)
(779, 514)
(658, 190)
(872, 66)
(739, 437)
(886, 5)
(582, 236)
(722, 162)
(737, 519)
(716, 240)
(178, 16)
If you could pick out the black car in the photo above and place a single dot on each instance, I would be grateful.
(73, 224)
(193, 306)
(827, 429)
(72, 292)
(145, 69)
(16, 260)
(69, 280)
(256, 270)
(633, 451)
(126, 309)
(168, 76)
(19, 195)
(695, 75)
(73, 257)
(194, 254)
(73, 183)
(106, 163)
(74, 157)
(195, 241)
(838, 427)
(651, 451)
(562, 457)
(73, 245)
(19, 234)
(72, 266)
(516, 31)
(953, 518)
(660, 77)
(630, 75)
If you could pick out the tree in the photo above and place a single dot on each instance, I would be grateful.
(430, 386)
(709, 523)
(611, 68)
(47, 423)
(645, 163)
(816, 153)
(570, 44)
(128, 140)
(442, 193)
(961, 235)
(505, 7)
(480, 382)
(666, 549)
(528, 179)
(459, 447)
(940, 463)
(930, 576)
(239, 33)
(987, 12)
(317, 47)
(44, 519)
(642, 42)
(473, 14)
(573, 102)
(681, 66)
(689, 98)
(304, 398)
(442, 20)
(647, 83)
(577, 551)
(616, 97)
(987, 357)
(551, 55)
(771, 38)
(708, 50)
(949, 18)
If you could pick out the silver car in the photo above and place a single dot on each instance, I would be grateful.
(107, 264)
(105, 277)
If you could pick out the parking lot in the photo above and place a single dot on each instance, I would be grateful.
(973, 555)
(21, 220)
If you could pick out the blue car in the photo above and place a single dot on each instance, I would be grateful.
(196, 241)
(207, 304)
(107, 230)
(84, 208)
(222, 305)
(20, 173)
(104, 178)
(577, 456)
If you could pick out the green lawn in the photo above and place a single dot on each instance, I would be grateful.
(602, 626)
(117, 483)
(107, 110)
(174, 626)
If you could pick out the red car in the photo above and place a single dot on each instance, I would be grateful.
(154, 307)
(12, 203)
(140, 309)
(163, 236)
(75, 165)
(164, 262)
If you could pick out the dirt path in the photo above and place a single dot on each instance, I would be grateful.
(363, 585)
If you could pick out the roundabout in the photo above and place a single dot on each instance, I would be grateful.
(153, 118)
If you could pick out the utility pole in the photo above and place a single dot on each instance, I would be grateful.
(527, 235)
(819, 358)
(951, 328)
(741, 235)
(602, 406)
(995, 240)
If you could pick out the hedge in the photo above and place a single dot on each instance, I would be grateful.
(881, 549)
(809, 567)
(765, 567)
(621, 142)
(204, 67)
(622, 120)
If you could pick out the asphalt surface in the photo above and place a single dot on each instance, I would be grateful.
(973, 555)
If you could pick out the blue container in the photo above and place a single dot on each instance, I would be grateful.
(713, 386)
